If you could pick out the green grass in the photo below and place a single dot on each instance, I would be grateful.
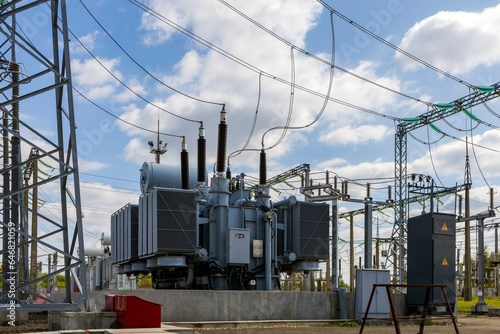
(339, 324)
(465, 307)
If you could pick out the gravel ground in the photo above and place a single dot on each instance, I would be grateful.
(467, 325)
(37, 322)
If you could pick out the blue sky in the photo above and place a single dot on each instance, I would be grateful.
(459, 37)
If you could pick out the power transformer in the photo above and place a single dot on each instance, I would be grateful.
(225, 236)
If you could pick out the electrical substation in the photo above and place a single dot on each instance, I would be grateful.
(218, 246)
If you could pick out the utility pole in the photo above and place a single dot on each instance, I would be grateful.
(467, 256)
(158, 150)
(496, 260)
(351, 254)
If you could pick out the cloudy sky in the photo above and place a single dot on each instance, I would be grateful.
(245, 54)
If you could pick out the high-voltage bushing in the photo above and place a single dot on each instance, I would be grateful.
(222, 143)
(202, 156)
(184, 166)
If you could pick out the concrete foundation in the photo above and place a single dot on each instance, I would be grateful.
(81, 320)
(209, 305)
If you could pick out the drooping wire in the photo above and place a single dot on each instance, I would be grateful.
(325, 102)
(250, 66)
(309, 54)
(121, 119)
(432, 160)
(142, 67)
(456, 128)
(290, 106)
(386, 42)
(490, 110)
(424, 142)
(475, 158)
(238, 152)
(128, 88)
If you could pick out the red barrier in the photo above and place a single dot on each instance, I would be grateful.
(134, 312)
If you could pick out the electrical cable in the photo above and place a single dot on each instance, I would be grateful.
(128, 88)
(249, 66)
(456, 128)
(325, 102)
(424, 142)
(290, 106)
(475, 158)
(386, 42)
(312, 55)
(238, 152)
(121, 119)
(432, 161)
(490, 110)
(142, 67)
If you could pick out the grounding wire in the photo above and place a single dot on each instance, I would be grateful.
(130, 89)
(312, 55)
(386, 42)
(248, 65)
(327, 97)
(432, 160)
(121, 119)
(238, 152)
(142, 67)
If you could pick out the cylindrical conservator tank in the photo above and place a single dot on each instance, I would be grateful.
(164, 176)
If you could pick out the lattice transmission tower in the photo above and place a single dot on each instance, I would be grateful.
(44, 89)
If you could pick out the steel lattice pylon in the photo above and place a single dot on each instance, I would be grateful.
(479, 96)
(53, 79)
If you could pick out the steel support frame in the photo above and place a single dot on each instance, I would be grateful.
(62, 153)
(475, 98)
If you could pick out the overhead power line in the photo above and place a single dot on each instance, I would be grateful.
(142, 67)
(386, 42)
(248, 65)
(324, 61)
(130, 89)
(121, 119)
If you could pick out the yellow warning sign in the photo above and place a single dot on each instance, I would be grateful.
(445, 228)
(444, 263)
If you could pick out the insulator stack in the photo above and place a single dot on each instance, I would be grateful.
(263, 168)
(228, 173)
(222, 143)
(184, 166)
(202, 156)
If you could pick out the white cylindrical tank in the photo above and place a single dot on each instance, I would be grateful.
(105, 239)
(165, 176)
(94, 252)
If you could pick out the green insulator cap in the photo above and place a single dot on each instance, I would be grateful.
(485, 89)
(445, 105)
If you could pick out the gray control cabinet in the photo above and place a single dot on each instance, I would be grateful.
(431, 257)
(365, 278)
(239, 246)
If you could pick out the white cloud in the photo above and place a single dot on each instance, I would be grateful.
(210, 76)
(87, 166)
(355, 135)
(456, 42)
(87, 40)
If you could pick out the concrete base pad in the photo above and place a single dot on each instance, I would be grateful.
(494, 312)
(480, 309)
(81, 320)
